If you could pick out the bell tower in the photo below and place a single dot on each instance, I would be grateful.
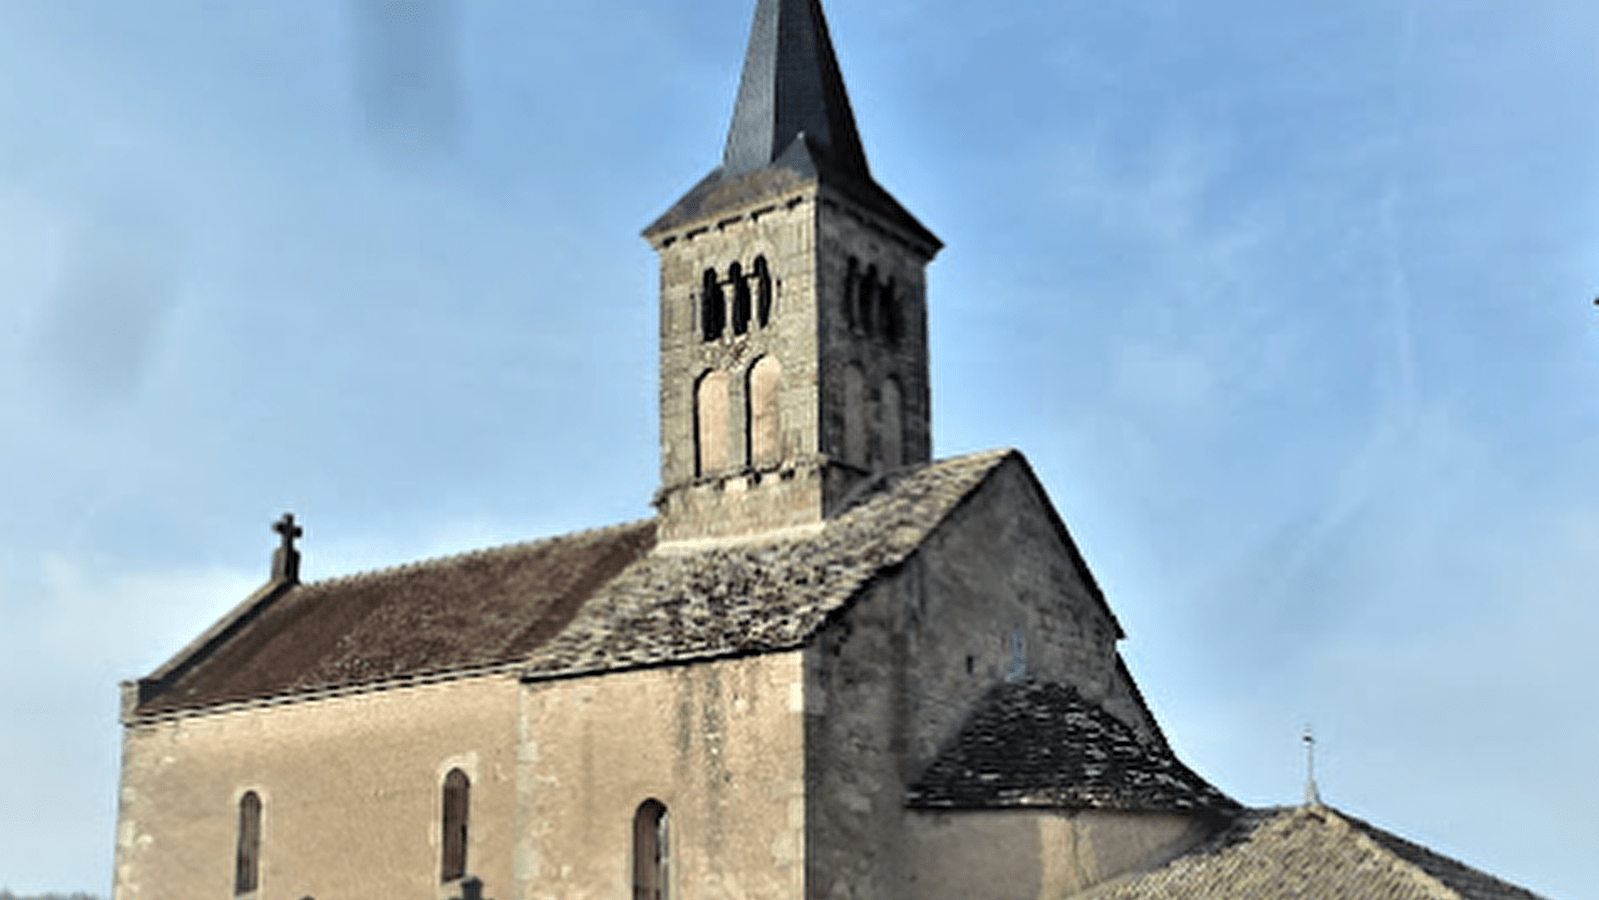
(793, 306)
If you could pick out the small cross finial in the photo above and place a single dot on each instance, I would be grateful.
(286, 559)
(1312, 795)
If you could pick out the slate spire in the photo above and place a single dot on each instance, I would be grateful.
(791, 86)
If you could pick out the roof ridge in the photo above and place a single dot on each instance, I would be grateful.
(1357, 827)
(365, 575)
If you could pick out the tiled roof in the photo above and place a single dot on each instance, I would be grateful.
(585, 602)
(759, 597)
(477, 610)
(1310, 852)
(1044, 745)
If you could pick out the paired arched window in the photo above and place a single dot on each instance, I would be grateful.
(752, 300)
(765, 412)
(650, 852)
(871, 305)
(710, 423)
(452, 840)
(247, 853)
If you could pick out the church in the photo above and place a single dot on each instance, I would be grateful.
(830, 666)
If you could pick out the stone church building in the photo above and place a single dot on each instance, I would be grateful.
(829, 667)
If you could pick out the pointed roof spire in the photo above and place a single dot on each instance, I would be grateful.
(792, 125)
(791, 86)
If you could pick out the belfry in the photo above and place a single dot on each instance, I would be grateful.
(793, 305)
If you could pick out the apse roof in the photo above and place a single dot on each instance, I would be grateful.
(1030, 744)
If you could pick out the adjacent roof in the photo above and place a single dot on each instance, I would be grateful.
(1043, 745)
(1311, 852)
(587, 602)
(761, 597)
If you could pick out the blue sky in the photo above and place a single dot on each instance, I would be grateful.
(1288, 304)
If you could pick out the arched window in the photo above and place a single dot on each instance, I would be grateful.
(452, 841)
(713, 308)
(247, 855)
(888, 318)
(710, 423)
(854, 416)
(741, 299)
(765, 412)
(891, 418)
(852, 309)
(763, 292)
(650, 852)
(868, 301)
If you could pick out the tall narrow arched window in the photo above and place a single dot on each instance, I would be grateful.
(247, 854)
(452, 840)
(710, 423)
(868, 301)
(852, 311)
(891, 421)
(765, 412)
(854, 416)
(888, 312)
(650, 852)
(713, 307)
(763, 292)
(741, 299)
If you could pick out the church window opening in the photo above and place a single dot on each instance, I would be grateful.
(713, 308)
(247, 856)
(852, 312)
(854, 416)
(891, 420)
(765, 412)
(710, 423)
(888, 313)
(867, 301)
(763, 292)
(452, 843)
(741, 299)
(1017, 670)
(650, 851)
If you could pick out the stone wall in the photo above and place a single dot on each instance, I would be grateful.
(719, 743)
(714, 483)
(351, 791)
(1023, 854)
(894, 679)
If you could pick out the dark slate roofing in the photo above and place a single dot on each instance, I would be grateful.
(463, 612)
(791, 86)
(792, 126)
(760, 597)
(1043, 745)
(1310, 852)
(586, 602)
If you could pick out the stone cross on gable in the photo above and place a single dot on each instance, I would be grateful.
(286, 559)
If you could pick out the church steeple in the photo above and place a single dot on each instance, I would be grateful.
(791, 86)
(793, 306)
